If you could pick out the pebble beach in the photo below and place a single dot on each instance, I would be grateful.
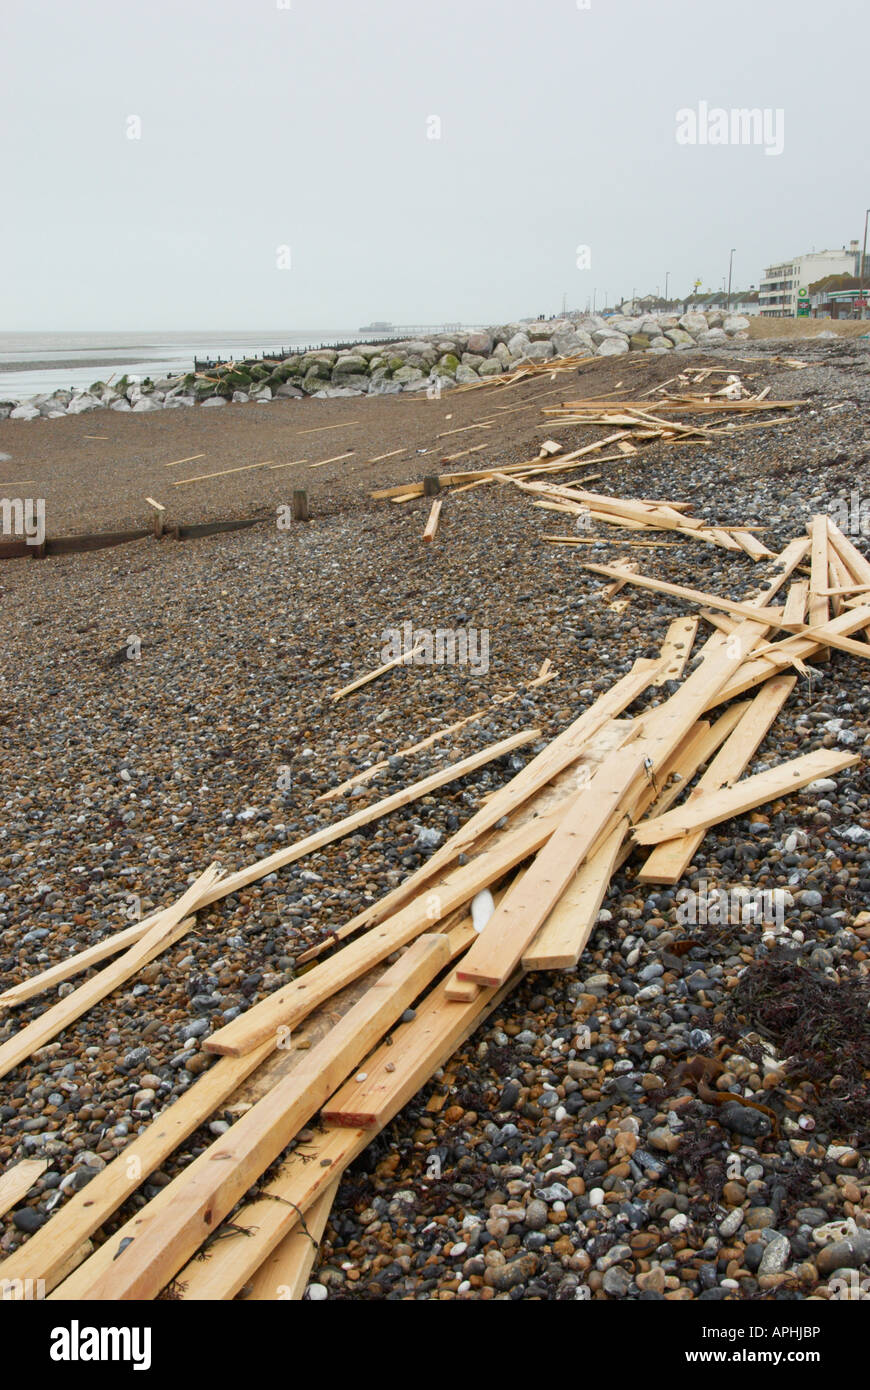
(581, 1144)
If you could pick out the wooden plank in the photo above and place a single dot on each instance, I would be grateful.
(677, 648)
(795, 604)
(424, 1044)
(188, 1209)
(293, 463)
(15, 1184)
(284, 1274)
(754, 548)
(189, 459)
(318, 429)
(402, 660)
(710, 808)
(47, 1253)
(660, 586)
(336, 458)
(73, 965)
(434, 518)
(668, 861)
(201, 477)
(174, 923)
(561, 940)
(819, 608)
(499, 948)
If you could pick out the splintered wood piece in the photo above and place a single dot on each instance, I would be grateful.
(284, 1274)
(189, 459)
(669, 860)
(751, 544)
(15, 1183)
(185, 1212)
(434, 518)
(402, 660)
(709, 808)
(677, 648)
(495, 955)
(336, 458)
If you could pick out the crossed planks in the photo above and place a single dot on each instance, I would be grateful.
(221, 887)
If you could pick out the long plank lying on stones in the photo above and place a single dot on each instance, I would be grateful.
(499, 948)
(709, 808)
(188, 1209)
(403, 1064)
(561, 940)
(669, 860)
(280, 859)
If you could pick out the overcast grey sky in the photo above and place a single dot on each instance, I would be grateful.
(307, 126)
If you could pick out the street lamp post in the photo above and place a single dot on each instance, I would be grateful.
(863, 262)
(667, 277)
(730, 264)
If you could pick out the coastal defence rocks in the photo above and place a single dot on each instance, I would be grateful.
(432, 364)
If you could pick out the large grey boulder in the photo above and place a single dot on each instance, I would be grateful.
(503, 353)
(465, 375)
(350, 363)
(679, 336)
(350, 381)
(660, 344)
(613, 347)
(491, 367)
(408, 374)
(383, 387)
(539, 352)
(122, 404)
(24, 412)
(736, 323)
(177, 402)
(147, 403)
(213, 402)
(568, 344)
(715, 318)
(239, 398)
(713, 336)
(263, 393)
(600, 335)
(519, 345)
(694, 322)
(543, 330)
(80, 404)
(285, 389)
(481, 343)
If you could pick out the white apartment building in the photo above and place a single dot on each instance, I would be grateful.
(778, 291)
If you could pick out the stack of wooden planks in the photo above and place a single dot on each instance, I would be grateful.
(517, 888)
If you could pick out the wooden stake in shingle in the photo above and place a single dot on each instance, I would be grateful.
(431, 486)
(300, 505)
